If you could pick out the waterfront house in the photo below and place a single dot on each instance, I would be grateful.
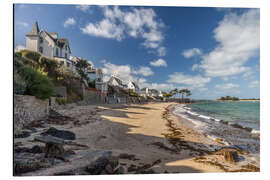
(49, 45)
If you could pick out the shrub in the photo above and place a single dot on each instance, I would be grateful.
(37, 84)
(92, 84)
(50, 66)
(19, 83)
(35, 56)
(61, 101)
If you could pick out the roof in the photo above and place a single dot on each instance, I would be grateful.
(34, 31)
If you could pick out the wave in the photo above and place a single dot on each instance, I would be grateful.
(188, 114)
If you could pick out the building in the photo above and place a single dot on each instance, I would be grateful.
(115, 81)
(134, 87)
(49, 45)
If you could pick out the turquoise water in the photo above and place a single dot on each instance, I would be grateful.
(245, 113)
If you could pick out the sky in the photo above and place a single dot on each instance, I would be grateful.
(213, 52)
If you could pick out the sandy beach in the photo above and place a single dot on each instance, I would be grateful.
(148, 132)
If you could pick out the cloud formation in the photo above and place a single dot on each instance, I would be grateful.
(69, 22)
(227, 86)
(188, 80)
(158, 63)
(192, 52)
(136, 23)
(19, 48)
(83, 8)
(239, 40)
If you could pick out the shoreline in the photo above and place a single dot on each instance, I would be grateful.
(145, 138)
(221, 141)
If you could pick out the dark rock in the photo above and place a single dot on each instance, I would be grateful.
(24, 167)
(103, 165)
(127, 156)
(156, 162)
(49, 139)
(66, 135)
(36, 149)
(22, 134)
(145, 171)
(54, 150)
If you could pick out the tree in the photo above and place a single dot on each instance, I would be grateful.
(174, 92)
(81, 67)
(184, 92)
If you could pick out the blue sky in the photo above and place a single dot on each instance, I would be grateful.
(212, 51)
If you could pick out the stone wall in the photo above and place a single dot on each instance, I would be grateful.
(93, 96)
(27, 109)
(60, 91)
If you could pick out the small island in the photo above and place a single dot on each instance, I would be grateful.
(232, 98)
(229, 98)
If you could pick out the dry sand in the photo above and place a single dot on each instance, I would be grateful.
(133, 129)
(147, 131)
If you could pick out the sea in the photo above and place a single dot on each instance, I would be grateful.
(237, 123)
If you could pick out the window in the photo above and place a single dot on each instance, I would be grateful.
(66, 55)
(40, 49)
(40, 40)
(56, 52)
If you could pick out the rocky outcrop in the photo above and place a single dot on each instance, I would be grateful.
(63, 134)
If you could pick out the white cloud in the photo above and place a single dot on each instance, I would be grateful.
(23, 24)
(239, 40)
(105, 28)
(227, 86)
(136, 23)
(189, 80)
(19, 48)
(144, 70)
(69, 22)
(192, 52)
(254, 84)
(122, 71)
(83, 8)
(158, 63)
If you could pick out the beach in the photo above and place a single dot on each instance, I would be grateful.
(150, 136)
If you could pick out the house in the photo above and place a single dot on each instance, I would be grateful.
(133, 86)
(115, 81)
(49, 45)
(144, 92)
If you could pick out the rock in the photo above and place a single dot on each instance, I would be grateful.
(53, 150)
(120, 170)
(66, 135)
(231, 156)
(36, 149)
(49, 139)
(104, 165)
(127, 156)
(24, 167)
(22, 134)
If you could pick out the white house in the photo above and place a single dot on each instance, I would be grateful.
(115, 81)
(49, 45)
(133, 86)
(144, 92)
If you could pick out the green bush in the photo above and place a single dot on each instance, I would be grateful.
(35, 56)
(19, 83)
(37, 84)
(50, 66)
(61, 101)
(92, 84)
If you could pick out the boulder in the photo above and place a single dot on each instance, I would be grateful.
(63, 134)
(22, 134)
(104, 165)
